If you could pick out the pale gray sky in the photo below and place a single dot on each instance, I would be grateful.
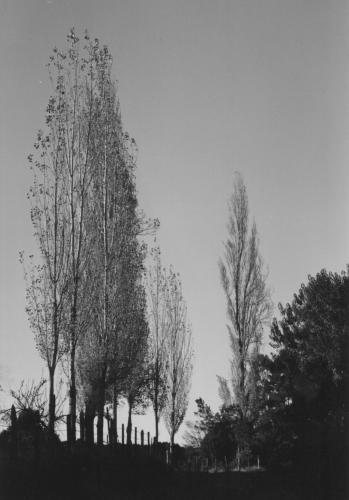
(206, 88)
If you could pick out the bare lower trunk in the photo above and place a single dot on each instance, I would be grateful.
(156, 409)
(51, 405)
(156, 439)
(100, 419)
(242, 385)
(129, 425)
(72, 396)
(173, 421)
(171, 454)
(89, 418)
(82, 426)
(115, 416)
(100, 409)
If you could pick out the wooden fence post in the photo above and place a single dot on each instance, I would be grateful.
(148, 436)
(108, 426)
(135, 436)
(142, 437)
(123, 433)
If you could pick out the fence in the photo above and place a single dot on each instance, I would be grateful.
(114, 435)
(33, 442)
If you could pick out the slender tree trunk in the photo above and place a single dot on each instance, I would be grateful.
(100, 408)
(100, 422)
(129, 424)
(156, 401)
(89, 419)
(115, 415)
(51, 404)
(72, 394)
(172, 443)
(101, 389)
(52, 369)
(156, 426)
(73, 311)
(173, 421)
(242, 379)
(52, 398)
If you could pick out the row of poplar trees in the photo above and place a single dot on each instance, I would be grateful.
(118, 329)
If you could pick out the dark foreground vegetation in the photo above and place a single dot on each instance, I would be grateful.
(98, 474)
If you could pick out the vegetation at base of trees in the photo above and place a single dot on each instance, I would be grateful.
(90, 476)
(301, 404)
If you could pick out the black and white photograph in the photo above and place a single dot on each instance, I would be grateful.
(174, 250)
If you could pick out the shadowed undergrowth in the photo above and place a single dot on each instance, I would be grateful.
(93, 477)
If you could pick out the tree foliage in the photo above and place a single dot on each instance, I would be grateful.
(308, 383)
(87, 224)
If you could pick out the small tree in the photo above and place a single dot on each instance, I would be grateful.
(214, 434)
(31, 397)
(180, 354)
(199, 429)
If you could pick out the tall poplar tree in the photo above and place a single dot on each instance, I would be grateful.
(158, 336)
(179, 356)
(247, 295)
(87, 223)
(47, 276)
(73, 75)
